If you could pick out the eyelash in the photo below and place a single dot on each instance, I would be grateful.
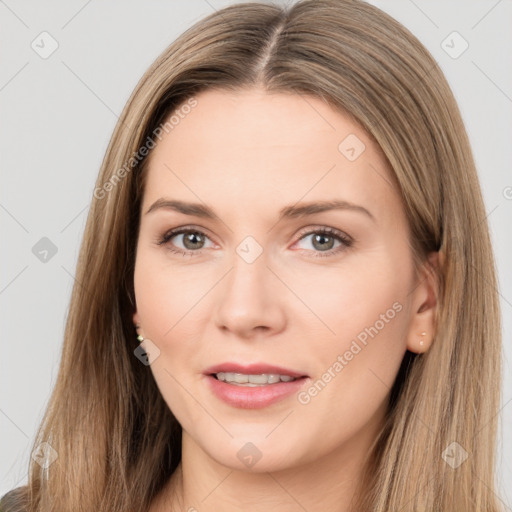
(345, 240)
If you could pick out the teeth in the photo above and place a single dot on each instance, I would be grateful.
(241, 379)
(263, 379)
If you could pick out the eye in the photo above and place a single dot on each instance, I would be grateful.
(193, 240)
(323, 240)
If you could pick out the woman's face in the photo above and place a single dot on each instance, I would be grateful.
(258, 282)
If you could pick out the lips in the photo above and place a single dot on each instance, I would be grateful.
(247, 396)
(253, 369)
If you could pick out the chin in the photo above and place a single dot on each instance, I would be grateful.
(255, 454)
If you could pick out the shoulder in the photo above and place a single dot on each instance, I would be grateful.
(15, 500)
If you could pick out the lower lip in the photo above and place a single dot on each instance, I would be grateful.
(248, 397)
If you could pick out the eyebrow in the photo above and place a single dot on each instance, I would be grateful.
(288, 212)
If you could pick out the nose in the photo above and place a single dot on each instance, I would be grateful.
(249, 301)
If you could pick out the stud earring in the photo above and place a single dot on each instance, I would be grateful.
(140, 339)
(421, 341)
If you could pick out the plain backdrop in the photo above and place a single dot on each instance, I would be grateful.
(58, 112)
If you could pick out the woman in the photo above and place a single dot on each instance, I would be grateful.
(286, 291)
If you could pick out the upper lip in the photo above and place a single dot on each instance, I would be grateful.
(252, 369)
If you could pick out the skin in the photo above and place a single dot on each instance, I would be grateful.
(247, 155)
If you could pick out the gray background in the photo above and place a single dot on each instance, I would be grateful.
(58, 114)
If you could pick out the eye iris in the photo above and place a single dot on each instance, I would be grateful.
(191, 238)
(321, 237)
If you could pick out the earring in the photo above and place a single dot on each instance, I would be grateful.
(140, 339)
(421, 341)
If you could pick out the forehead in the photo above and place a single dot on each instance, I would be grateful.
(265, 148)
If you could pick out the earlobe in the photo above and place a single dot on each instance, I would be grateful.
(424, 303)
(136, 321)
(136, 324)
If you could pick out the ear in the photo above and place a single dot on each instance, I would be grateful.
(136, 322)
(424, 305)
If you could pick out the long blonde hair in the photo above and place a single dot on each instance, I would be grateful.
(116, 439)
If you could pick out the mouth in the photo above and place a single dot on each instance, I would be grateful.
(252, 380)
(253, 386)
(257, 374)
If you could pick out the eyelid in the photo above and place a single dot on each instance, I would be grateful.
(171, 233)
(345, 240)
(324, 229)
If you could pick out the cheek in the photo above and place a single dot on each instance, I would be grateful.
(168, 297)
(363, 311)
(354, 369)
(165, 303)
(347, 300)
